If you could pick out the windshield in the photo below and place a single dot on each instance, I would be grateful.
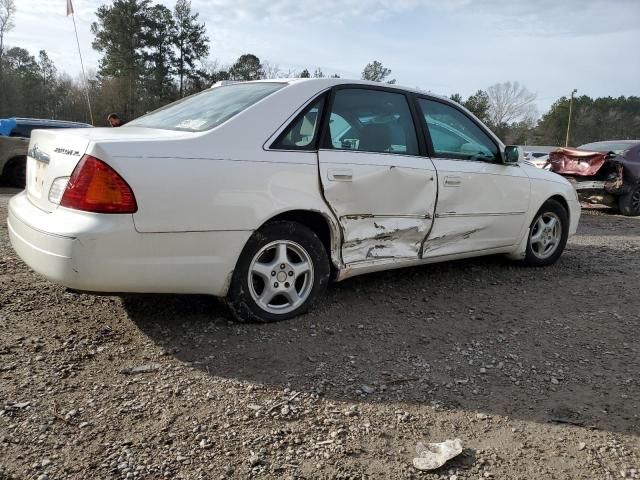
(207, 109)
(616, 147)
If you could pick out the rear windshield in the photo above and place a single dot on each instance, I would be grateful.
(207, 109)
(616, 147)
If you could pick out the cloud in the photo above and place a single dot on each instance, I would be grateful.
(551, 46)
(556, 17)
(562, 17)
(304, 11)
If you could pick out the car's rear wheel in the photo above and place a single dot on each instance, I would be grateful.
(547, 235)
(282, 271)
(15, 173)
(629, 203)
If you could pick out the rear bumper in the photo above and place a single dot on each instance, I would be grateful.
(104, 253)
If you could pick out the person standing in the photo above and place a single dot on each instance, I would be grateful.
(114, 120)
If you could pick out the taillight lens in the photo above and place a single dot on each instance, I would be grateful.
(96, 187)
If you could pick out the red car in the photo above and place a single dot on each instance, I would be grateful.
(605, 173)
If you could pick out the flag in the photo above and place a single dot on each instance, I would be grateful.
(69, 8)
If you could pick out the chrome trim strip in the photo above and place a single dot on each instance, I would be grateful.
(491, 214)
(369, 215)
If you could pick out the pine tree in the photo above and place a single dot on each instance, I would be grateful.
(191, 41)
(247, 67)
(160, 57)
(122, 34)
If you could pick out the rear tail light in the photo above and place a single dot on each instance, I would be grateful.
(96, 187)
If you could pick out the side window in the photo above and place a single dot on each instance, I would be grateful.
(371, 121)
(302, 133)
(454, 135)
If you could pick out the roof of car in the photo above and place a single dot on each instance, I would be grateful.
(330, 82)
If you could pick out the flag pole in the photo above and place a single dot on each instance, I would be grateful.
(84, 76)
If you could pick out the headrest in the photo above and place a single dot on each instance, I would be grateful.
(376, 137)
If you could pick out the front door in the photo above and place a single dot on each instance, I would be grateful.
(481, 202)
(380, 188)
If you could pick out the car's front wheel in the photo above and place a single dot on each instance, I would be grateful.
(282, 271)
(547, 235)
(629, 203)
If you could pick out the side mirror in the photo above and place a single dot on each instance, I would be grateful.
(511, 154)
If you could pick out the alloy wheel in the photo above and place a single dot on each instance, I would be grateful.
(546, 235)
(280, 276)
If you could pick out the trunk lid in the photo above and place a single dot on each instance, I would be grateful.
(52, 154)
(571, 161)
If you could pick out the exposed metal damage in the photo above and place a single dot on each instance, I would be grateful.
(384, 211)
(382, 238)
(435, 243)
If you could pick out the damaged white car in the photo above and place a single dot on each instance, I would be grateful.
(262, 192)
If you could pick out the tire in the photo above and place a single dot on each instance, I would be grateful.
(15, 173)
(270, 282)
(548, 235)
(629, 203)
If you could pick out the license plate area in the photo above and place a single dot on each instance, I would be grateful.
(37, 177)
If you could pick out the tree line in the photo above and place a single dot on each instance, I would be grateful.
(152, 55)
(508, 109)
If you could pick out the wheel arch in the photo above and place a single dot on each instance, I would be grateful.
(562, 201)
(321, 224)
(519, 252)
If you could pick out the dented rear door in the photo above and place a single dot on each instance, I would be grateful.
(385, 203)
(384, 200)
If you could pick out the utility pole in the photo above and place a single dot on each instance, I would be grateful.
(84, 76)
(566, 143)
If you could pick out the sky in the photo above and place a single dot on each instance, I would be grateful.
(444, 46)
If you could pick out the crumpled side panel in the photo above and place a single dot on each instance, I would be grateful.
(368, 238)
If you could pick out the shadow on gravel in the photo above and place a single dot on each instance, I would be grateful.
(553, 345)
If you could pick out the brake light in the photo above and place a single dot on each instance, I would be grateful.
(96, 187)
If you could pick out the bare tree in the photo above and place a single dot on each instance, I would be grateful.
(7, 11)
(272, 71)
(509, 102)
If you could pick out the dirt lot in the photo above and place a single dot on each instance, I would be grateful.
(536, 371)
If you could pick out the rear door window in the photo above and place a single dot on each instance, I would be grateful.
(371, 121)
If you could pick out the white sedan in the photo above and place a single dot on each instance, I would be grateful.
(261, 192)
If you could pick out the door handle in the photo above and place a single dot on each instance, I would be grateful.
(452, 181)
(340, 174)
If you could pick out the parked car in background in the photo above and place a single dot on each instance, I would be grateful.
(537, 155)
(13, 147)
(261, 192)
(606, 173)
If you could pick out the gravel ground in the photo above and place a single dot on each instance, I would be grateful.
(535, 370)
